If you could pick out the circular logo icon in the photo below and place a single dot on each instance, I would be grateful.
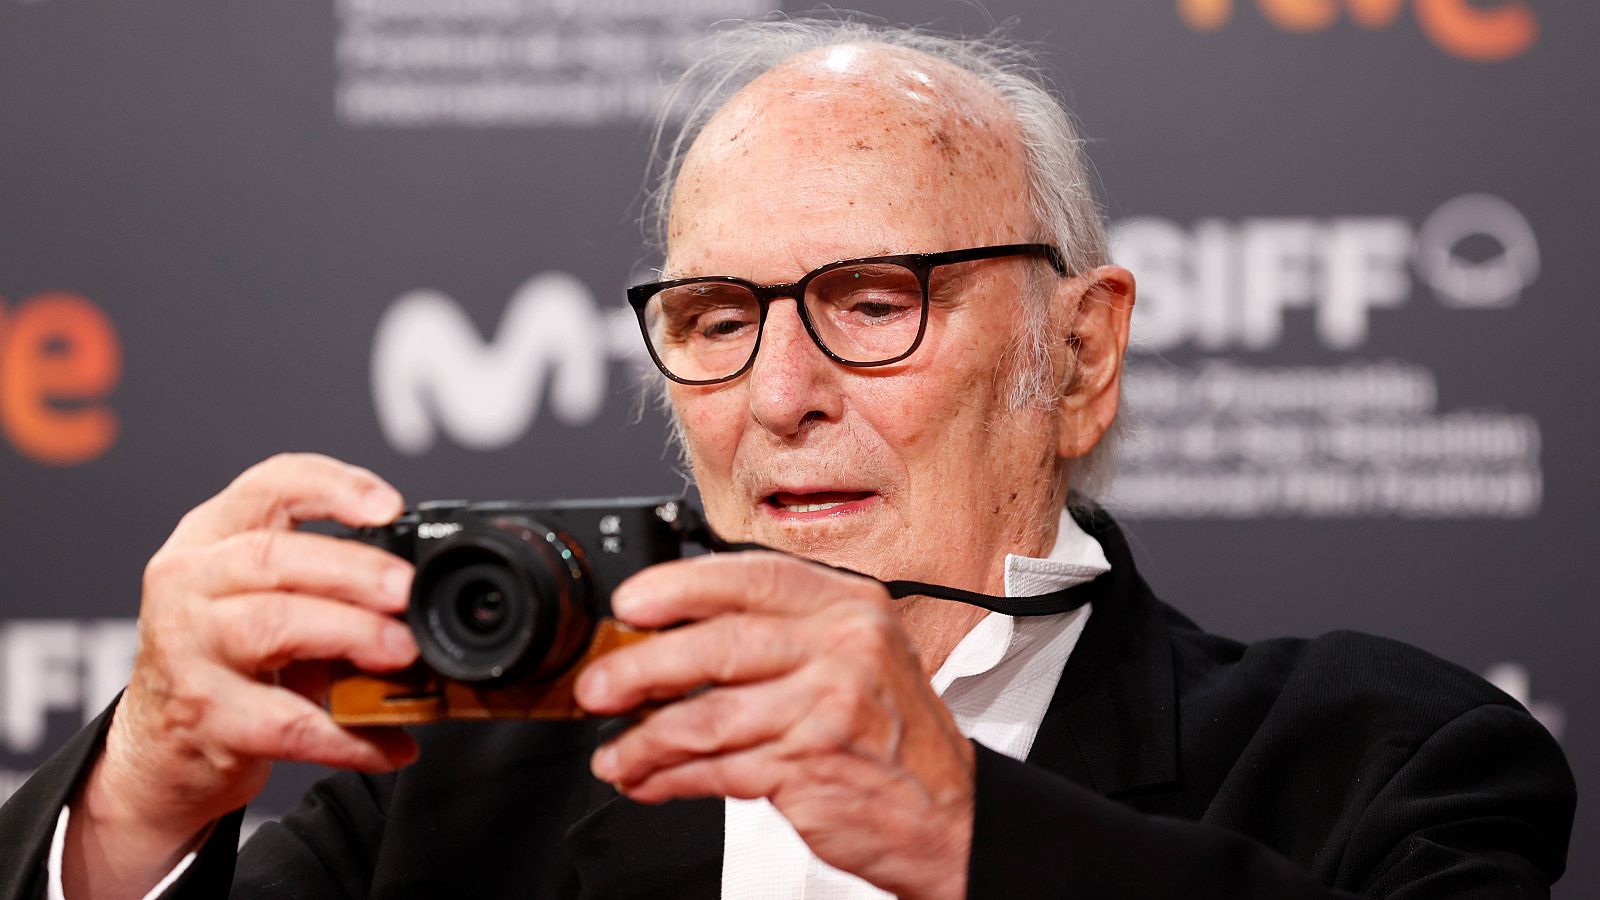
(1492, 283)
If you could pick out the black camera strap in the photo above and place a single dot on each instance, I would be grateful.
(1047, 604)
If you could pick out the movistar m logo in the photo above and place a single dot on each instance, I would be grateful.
(433, 373)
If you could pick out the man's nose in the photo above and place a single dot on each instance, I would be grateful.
(791, 381)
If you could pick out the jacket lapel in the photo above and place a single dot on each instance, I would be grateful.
(1112, 724)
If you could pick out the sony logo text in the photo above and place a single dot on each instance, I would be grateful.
(433, 531)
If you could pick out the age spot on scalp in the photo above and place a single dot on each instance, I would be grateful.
(947, 145)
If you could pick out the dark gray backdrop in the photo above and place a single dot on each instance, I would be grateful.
(1363, 397)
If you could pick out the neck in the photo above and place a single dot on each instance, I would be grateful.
(936, 627)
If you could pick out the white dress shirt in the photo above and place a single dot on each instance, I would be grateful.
(998, 681)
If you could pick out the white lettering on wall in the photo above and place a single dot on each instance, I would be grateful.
(1226, 285)
(59, 666)
(1224, 437)
(506, 63)
(432, 372)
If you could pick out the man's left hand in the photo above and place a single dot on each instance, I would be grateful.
(796, 683)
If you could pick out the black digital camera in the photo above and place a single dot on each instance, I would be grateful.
(508, 603)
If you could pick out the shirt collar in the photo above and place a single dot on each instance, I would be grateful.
(1076, 558)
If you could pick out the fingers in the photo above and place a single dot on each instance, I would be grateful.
(745, 775)
(263, 560)
(724, 650)
(291, 488)
(736, 582)
(822, 709)
(235, 594)
(717, 722)
(266, 631)
(259, 721)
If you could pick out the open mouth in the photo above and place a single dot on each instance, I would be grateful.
(788, 504)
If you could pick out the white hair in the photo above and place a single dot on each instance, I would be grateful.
(1061, 195)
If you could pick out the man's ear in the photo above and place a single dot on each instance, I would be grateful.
(1098, 305)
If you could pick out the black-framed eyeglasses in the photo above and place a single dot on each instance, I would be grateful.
(863, 312)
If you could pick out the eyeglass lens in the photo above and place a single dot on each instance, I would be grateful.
(863, 313)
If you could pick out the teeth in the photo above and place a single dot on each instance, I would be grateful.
(813, 507)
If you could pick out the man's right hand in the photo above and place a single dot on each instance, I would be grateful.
(240, 617)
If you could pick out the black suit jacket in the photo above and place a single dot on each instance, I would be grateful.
(1170, 763)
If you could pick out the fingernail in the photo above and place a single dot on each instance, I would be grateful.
(398, 642)
(396, 585)
(596, 685)
(624, 600)
(379, 504)
(605, 762)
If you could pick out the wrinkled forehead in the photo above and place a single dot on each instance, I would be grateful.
(857, 131)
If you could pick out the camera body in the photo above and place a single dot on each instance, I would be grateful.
(509, 603)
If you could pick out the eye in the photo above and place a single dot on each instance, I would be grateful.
(870, 295)
(706, 313)
(723, 323)
(868, 309)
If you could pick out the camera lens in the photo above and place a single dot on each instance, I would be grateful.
(500, 600)
(481, 606)
(475, 608)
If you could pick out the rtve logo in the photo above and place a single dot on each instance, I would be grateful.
(1476, 30)
(59, 361)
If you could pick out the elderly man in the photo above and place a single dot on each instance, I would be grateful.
(894, 345)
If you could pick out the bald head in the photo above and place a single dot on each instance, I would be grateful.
(874, 132)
